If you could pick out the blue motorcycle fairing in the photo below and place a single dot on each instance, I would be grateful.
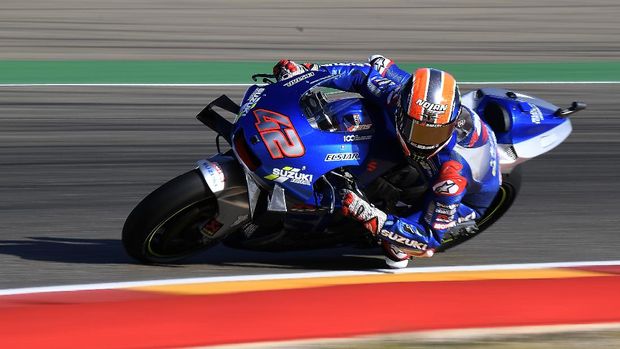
(317, 151)
(367, 153)
(529, 116)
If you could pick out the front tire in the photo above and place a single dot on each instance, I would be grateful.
(508, 191)
(166, 225)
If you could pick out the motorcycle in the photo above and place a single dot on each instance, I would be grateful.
(293, 145)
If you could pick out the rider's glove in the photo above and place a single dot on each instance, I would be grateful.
(380, 63)
(358, 208)
(286, 69)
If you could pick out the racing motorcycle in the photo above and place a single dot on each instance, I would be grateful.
(293, 145)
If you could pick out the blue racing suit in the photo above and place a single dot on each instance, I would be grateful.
(464, 176)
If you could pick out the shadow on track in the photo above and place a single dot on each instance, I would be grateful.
(66, 250)
(110, 251)
(322, 259)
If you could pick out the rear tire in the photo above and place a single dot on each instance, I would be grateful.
(511, 184)
(165, 226)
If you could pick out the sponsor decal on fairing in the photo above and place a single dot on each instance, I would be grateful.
(290, 174)
(211, 227)
(249, 229)
(299, 79)
(371, 166)
(278, 134)
(240, 220)
(349, 64)
(363, 127)
(215, 176)
(303, 208)
(356, 138)
(342, 157)
(252, 100)
(535, 114)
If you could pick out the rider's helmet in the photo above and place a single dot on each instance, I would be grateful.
(429, 106)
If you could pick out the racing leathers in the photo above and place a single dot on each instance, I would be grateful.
(464, 175)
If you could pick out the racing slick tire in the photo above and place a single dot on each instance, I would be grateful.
(166, 226)
(508, 191)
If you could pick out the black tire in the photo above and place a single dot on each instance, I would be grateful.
(511, 184)
(165, 226)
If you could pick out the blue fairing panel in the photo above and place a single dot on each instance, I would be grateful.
(292, 150)
(528, 116)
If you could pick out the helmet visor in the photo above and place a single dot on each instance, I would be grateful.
(430, 135)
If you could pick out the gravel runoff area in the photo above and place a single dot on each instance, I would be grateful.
(561, 337)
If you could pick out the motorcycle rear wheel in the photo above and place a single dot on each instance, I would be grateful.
(165, 226)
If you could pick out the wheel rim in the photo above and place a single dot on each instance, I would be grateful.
(179, 235)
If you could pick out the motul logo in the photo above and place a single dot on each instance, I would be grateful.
(431, 106)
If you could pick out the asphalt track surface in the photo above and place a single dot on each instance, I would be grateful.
(422, 30)
(74, 161)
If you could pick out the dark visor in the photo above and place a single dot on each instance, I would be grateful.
(430, 134)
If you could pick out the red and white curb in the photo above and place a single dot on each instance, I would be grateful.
(280, 308)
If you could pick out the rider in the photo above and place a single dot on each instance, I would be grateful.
(451, 145)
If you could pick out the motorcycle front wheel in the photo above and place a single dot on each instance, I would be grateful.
(511, 185)
(166, 226)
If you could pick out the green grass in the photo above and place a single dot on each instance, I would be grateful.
(25, 72)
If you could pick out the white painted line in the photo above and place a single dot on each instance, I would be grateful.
(127, 284)
(246, 85)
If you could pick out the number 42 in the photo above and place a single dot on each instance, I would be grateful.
(278, 134)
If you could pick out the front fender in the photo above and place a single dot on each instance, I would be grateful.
(226, 179)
